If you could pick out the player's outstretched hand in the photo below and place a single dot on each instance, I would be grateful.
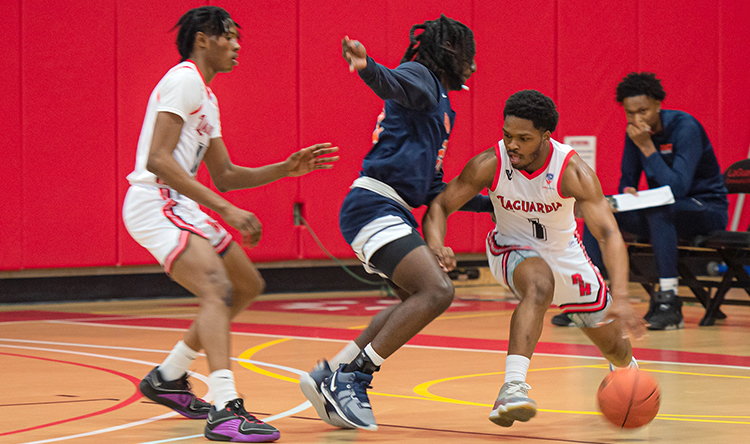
(310, 158)
(246, 223)
(354, 53)
(446, 258)
(631, 322)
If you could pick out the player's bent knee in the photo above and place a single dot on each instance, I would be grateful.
(442, 294)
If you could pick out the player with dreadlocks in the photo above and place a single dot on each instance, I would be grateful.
(402, 171)
(161, 212)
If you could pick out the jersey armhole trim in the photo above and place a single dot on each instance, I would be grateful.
(562, 171)
(499, 167)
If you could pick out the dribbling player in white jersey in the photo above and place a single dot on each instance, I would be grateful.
(161, 211)
(534, 182)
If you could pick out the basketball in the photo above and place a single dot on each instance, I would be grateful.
(629, 398)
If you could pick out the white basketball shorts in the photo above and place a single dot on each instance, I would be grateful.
(580, 290)
(374, 235)
(161, 220)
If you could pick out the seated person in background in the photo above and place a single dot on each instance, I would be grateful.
(672, 148)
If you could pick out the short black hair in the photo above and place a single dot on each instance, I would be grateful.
(532, 105)
(640, 84)
(210, 20)
(428, 48)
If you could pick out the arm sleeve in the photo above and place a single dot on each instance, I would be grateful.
(687, 149)
(180, 93)
(630, 167)
(411, 84)
(478, 204)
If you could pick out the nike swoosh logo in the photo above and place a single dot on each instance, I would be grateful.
(333, 382)
(444, 96)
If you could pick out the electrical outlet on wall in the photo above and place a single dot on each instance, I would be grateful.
(297, 214)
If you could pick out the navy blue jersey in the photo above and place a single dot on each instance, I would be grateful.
(409, 143)
(684, 160)
(411, 135)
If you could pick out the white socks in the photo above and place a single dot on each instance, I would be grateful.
(221, 384)
(666, 284)
(345, 356)
(374, 357)
(178, 362)
(516, 367)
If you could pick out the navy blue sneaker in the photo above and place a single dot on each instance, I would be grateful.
(347, 393)
(310, 384)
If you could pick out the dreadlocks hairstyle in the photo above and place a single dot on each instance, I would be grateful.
(429, 49)
(532, 105)
(640, 84)
(210, 20)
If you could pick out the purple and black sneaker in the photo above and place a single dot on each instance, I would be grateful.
(177, 395)
(234, 424)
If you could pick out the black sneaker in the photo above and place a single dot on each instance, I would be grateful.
(234, 424)
(562, 320)
(177, 395)
(666, 311)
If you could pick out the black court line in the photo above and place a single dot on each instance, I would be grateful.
(58, 402)
(465, 433)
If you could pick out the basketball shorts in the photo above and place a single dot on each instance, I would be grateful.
(378, 233)
(580, 290)
(161, 220)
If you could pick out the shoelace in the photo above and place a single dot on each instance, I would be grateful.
(360, 387)
(238, 408)
(522, 388)
(183, 382)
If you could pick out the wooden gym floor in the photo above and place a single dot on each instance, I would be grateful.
(69, 372)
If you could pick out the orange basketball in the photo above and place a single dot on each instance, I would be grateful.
(629, 398)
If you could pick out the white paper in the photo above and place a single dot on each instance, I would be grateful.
(585, 146)
(647, 198)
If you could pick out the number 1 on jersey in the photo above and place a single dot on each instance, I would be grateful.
(538, 230)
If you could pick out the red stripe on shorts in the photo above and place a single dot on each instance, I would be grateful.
(181, 245)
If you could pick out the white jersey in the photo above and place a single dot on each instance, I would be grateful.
(529, 208)
(181, 91)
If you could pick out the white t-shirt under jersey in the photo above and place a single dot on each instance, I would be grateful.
(529, 208)
(181, 91)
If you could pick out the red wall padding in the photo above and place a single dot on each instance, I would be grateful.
(68, 133)
(593, 55)
(11, 205)
(734, 89)
(337, 107)
(79, 104)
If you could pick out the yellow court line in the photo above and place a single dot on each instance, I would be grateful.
(247, 354)
(422, 390)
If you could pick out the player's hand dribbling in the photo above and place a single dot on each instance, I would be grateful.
(446, 258)
(354, 53)
(309, 159)
(246, 223)
(631, 322)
